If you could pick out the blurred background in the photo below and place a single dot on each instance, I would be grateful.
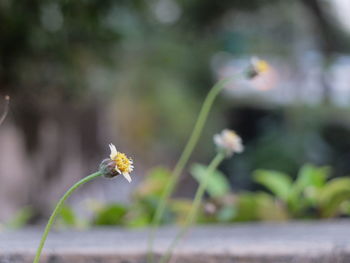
(84, 73)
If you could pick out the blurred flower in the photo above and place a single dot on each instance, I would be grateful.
(258, 66)
(210, 208)
(229, 142)
(118, 163)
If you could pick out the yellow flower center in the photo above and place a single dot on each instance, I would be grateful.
(123, 163)
(261, 66)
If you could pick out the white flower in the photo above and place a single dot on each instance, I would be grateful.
(123, 164)
(229, 142)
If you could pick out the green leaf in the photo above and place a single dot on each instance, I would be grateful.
(181, 208)
(138, 222)
(333, 194)
(111, 215)
(226, 213)
(150, 203)
(67, 216)
(269, 209)
(310, 175)
(154, 183)
(259, 206)
(20, 219)
(278, 183)
(138, 216)
(307, 186)
(333, 188)
(218, 185)
(246, 207)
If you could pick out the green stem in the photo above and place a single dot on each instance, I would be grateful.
(58, 209)
(191, 144)
(192, 217)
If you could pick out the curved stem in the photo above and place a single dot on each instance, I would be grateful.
(58, 209)
(192, 217)
(191, 144)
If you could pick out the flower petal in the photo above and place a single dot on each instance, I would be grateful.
(229, 141)
(113, 151)
(117, 169)
(218, 140)
(127, 177)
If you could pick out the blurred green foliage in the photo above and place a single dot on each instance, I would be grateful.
(218, 185)
(312, 195)
(20, 218)
(110, 215)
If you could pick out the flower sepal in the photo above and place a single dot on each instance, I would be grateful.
(107, 168)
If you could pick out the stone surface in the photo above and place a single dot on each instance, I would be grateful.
(297, 242)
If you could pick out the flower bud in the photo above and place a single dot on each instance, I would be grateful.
(107, 168)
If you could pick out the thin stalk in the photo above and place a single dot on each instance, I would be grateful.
(186, 154)
(193, 214)
(58, 209)
(6, 109)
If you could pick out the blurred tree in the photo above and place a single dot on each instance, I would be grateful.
(333, 38)
(46, 50)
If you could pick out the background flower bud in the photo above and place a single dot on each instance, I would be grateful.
(256, 68)
(229, 142)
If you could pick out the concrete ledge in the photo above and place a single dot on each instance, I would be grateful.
(297, 242)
